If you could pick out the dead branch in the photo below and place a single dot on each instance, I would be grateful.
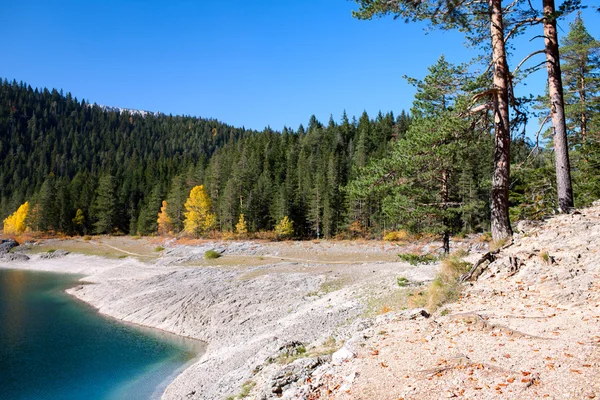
(537, 141)
(525, 59)
(489, 256)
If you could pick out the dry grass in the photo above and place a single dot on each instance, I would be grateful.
(445, 287)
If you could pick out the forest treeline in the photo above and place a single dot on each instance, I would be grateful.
(112, 170)
(74, 168)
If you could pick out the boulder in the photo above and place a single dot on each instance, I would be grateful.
(6, 245)
(7, 257)
(54, 254)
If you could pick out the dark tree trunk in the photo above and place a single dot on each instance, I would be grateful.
(501, 178)
(445, 197)
(557, 109)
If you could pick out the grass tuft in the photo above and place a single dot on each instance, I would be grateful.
(444, 288)
(159, 248)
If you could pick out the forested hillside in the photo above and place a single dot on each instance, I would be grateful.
(78, 164)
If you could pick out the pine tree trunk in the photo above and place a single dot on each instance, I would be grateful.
(445, 197)
(583, 107)
(501, 178)
(557, 109)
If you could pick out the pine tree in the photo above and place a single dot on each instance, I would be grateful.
(147, 223)
(176, 200)
(580, 55)
(419, 178)
(105, 205)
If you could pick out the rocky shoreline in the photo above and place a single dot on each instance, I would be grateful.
(291, 320)
(248, 315)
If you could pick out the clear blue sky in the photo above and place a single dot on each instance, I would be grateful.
(247, 63)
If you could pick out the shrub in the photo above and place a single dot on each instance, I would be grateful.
(212, 254)
(396, 236)
(414, 259)
(402, 281)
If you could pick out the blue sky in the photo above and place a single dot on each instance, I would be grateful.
(247, 63)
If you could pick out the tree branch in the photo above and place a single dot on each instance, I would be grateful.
(527, 58)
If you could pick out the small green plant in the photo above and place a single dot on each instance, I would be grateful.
(159, 248)
(246, 389)
(415, 259)
(51, 251)
(545, 257)
(212, 254)
(291, 355)
(444, 312)
(402, 281)
(122, 256)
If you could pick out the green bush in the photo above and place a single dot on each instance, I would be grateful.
(414, 259)
(212, 254)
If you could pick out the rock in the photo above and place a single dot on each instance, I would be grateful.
(341, 355)
(526, 226)
(418, 314)
(6, 245)
(54, 254)
(298, 370)
(13, 257)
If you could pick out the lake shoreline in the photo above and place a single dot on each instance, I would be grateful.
(245, 313)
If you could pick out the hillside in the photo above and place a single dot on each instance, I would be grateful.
(55, 150)
(526, 332)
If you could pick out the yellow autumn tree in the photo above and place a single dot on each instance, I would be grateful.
(241, 227)
(164, 221)
(284, 229)
(15, 223)
(198, 216)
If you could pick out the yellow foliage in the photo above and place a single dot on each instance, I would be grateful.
(15, 223)
(198, 217)
(79, 218)
(396, 236)
(164, 221)
(284, 228)
(241, 227)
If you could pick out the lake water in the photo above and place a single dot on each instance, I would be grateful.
(53, 346)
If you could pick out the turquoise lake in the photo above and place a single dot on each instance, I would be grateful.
(53, 346)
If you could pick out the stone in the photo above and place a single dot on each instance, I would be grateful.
(13, 257)
(6, 245)
(341, 355)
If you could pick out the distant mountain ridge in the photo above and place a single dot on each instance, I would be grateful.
(131, 111)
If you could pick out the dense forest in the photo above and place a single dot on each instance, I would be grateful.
(84, 169)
